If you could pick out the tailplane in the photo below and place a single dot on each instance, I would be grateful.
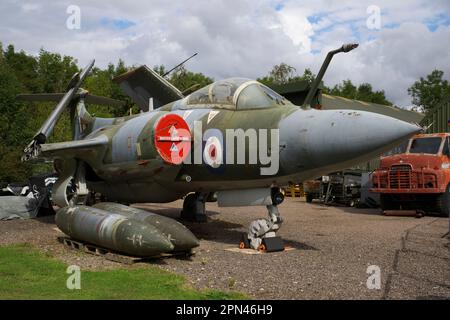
(75, 97)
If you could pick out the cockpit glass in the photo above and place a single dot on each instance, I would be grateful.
(200, 96)
(258, 96)
(233, 93)
(253, 97)
(273, 95)
(223, 92)
(219, 92)
(425, 145)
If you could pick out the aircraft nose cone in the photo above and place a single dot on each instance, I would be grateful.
(340, 138)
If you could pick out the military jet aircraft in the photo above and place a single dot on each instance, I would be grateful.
(235, 141)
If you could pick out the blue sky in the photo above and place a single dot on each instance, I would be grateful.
(442, 19)
(118, 24)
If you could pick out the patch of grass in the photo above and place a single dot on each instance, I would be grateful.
(26, 273)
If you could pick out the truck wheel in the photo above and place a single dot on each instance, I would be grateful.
(443, 202)
(309, 198)
(386, 202)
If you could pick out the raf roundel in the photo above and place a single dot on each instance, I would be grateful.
(172, 138)
(213, 153)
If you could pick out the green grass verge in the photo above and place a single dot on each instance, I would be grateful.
(26, 273)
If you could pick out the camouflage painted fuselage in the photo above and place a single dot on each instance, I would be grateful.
(126, 165)
(131, 170)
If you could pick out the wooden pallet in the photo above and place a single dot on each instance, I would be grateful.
(111, 255)
(253, 251)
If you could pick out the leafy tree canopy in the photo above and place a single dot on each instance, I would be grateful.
(284, 74)
(363, 92)
(428, 92)
(184, 79)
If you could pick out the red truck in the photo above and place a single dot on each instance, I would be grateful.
(417, 179)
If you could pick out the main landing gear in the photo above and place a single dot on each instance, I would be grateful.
(194, 208)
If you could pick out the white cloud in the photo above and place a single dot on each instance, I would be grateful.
(295, 24)
(27, 7)
(245, 37)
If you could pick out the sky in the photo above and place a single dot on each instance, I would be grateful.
(399, 41)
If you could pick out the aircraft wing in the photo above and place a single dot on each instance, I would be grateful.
(74, 149)
(143, 83)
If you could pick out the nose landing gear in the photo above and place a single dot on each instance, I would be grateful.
(261, 234)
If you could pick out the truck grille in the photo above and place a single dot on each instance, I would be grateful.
(400, 177)
(403, 177)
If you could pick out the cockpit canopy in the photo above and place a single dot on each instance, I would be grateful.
(233, 93)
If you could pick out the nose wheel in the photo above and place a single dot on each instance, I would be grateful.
(261, 234)
(262, 248)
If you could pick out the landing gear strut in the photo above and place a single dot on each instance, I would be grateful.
(194, 208)
(262, 232)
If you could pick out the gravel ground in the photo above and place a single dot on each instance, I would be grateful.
(333, 247)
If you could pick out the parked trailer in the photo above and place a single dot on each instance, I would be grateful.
(342, 187)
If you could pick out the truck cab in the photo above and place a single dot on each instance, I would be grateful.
(418, 177)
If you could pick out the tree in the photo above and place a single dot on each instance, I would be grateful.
(380, 98)
(364, 92)
(13, 126)
(184, 79)
(284, 74)
(346, 89)
(307, 76)
(99, 82)
(11, 168)
(11, 110)
(280, 74)
(55, 71)
(24, 67)
(428, 92)
(161, 69)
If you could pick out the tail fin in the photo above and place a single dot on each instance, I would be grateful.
(81, 121)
